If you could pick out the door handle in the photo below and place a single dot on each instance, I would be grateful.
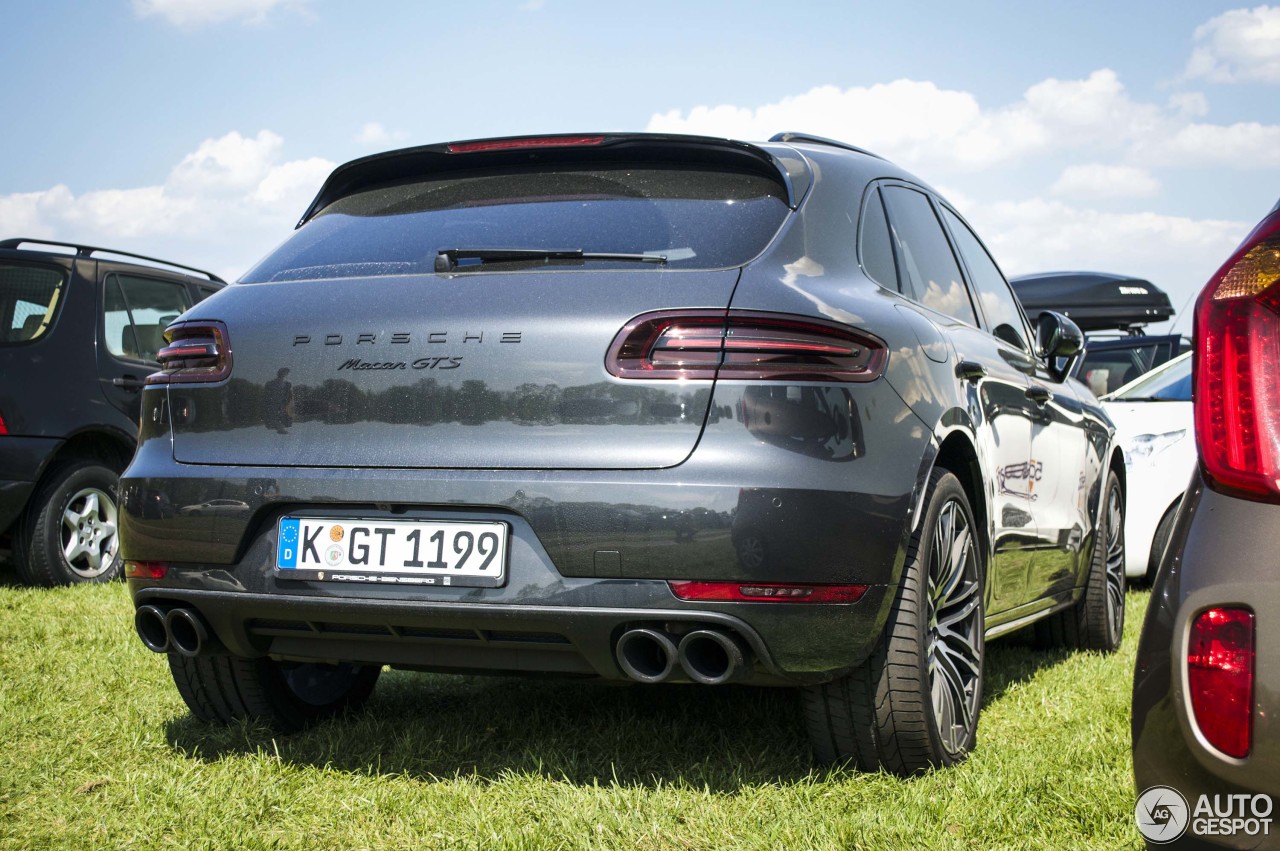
(128, 381)
(1039, 395)
(967, 370)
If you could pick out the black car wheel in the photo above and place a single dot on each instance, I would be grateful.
(1096, 622)
(914, 703)
(69, 533)
(286, 696)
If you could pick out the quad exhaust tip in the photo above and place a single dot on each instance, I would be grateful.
(173, 630)
(646, 655)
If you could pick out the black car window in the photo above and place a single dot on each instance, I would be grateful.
(698, 218)
(999, 304)
(874, 246)
(1171, 383)
(927, 265)
(137, 312)
(1107, 370)
(29, 297)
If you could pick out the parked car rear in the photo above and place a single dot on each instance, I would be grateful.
(79, 331)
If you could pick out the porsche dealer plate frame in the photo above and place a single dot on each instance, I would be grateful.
(470, 553)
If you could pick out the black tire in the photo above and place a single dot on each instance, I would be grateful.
(1160, 541)
(68, 533)
(897, 710)
(1096, 622)
(285, 696)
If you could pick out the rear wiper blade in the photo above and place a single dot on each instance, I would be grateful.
(448, 259)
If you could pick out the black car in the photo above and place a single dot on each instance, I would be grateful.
(1114, 310)
(646, 407)
(1206, 690)
(79, 332)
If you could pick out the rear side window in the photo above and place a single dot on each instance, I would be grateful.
(929, 269)
(29, 298)
(699, 218)
(1107, 370)
(136, 313)
(874, 246)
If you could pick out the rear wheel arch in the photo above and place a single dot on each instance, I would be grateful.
(957, 455)
(110, 448)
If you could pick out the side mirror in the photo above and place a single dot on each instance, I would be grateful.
(1060, 342)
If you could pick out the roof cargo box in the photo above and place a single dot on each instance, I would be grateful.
(1096, 301)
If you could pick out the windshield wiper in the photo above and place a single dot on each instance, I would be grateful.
(448, 259)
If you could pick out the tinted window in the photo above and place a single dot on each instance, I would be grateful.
(927, 265)
(29, 297)
(998, 302)
(1168, 384)
(1107, 370)
(137, 312)
(697, 218)
(874, 247)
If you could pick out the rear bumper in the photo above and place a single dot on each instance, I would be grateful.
(21, 460)
(1221, 553)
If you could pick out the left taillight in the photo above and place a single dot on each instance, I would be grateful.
(1220, 670)
(1236, 369)
(195, 352)
(706, 344)
(4, 429)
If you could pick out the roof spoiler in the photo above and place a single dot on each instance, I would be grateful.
(409, 163)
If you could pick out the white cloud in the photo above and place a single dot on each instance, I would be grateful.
(373, 133)
(1242, 45)
(1242, 145)
(190, 14)
(533, 5)
(222, 207)
(1096, 181)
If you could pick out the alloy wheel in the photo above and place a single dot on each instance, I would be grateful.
(89, 540)
(954, 633)
(1115, 562)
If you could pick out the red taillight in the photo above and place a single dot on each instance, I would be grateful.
(528, 142)
(764, 592)
(1220, 678)
(145, 569)
(197, 351)
(1236, 369)
(705, 344)
(4, 429)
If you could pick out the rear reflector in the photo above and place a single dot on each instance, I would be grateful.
(763, 592)
(145, 569)
(516, 144)
(1220, 664)
(706, 344)
(1236, 369)
(198, 351)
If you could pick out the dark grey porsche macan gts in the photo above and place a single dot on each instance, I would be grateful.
(659, 408)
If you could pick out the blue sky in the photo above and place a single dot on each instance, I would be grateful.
(1141, 138)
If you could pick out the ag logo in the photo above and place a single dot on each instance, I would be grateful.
(1162, 814)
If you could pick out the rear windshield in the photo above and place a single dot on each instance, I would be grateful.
(698, 218)
(29, 297)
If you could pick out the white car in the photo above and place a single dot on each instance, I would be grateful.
(1155, 428)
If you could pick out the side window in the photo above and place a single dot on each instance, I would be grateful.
(29, 298)
(874, 246)
(137, 312)
(203, 292)
(929, 269)
(998, 301)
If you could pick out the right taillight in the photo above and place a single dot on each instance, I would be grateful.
(1236, 369)
(197, 351)
(1220, 678)
(705, 344)
(4, 429)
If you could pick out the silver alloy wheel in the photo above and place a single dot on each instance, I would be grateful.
(89, 540)
(954, 628)
(1115, 563)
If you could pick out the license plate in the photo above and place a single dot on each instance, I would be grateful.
(418, 552)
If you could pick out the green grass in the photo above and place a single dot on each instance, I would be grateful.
(97, 750)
